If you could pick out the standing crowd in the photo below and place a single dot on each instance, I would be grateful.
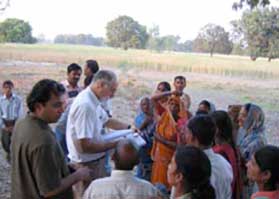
(205, 154)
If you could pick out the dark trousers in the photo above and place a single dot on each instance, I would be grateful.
(6, 140)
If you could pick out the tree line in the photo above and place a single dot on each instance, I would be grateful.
(256, 34)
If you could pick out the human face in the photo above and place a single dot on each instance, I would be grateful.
(51, 111)
(179, 85)
(161, 88)
(253, 170)
(145, 106)
(242, 116)
(7, 90)
(74, 76)
(87, 71)
(203, 107)
(171, 174)
(108, 90)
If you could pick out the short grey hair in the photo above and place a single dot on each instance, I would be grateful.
(106, 76)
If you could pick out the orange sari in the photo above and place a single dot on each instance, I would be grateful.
(161, 154)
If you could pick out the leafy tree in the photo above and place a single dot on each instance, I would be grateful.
(212, 38)
(251, 3)
(126, 33)
(260, 30)
(170, 42)
(16, 30)
(84, 39)
(154, 41)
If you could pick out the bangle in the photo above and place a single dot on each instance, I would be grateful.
(129, 126)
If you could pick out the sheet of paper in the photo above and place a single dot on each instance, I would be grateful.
(114, 135)
(128, 133)
(136, 139)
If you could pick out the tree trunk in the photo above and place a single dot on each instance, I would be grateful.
(211, 53)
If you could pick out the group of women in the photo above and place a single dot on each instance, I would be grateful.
(168, 162)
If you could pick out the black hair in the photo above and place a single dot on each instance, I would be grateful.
(203, 129)
(73, 67)
(195, 167)
(247, 107)
(92, 65)
(205, 103)
(42, 91)
(8, 82)
(128, 160)
(267, 158)
(167, 86)
(224, 125)
(180, 77)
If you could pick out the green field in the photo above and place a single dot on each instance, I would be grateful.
(232, 66)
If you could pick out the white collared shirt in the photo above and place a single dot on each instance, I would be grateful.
(221, 175)
(10, 109)
(121, 184)
(86, 119)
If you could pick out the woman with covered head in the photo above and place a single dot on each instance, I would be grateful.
(263, 168)
(250, 137)
(145, 122)
(160, 97)
(166, 138)
(189, 173)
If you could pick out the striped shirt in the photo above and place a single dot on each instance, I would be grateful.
(10, 108)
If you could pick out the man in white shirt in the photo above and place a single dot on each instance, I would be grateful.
(11, 109)
(122, 183)
(85, 123)
(200, 132)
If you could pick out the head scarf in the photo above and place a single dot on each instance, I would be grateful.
(140, 114)
(253, 137)
(255, 120)
(182, 110)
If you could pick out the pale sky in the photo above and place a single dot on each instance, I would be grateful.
(176, 17)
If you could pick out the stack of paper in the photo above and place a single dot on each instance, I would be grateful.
(128, 133)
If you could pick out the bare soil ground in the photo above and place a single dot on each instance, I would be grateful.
(135, 84)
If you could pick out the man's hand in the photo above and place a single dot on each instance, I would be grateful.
(134, 128)
(9, 129)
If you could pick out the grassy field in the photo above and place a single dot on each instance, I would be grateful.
(231, 66)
